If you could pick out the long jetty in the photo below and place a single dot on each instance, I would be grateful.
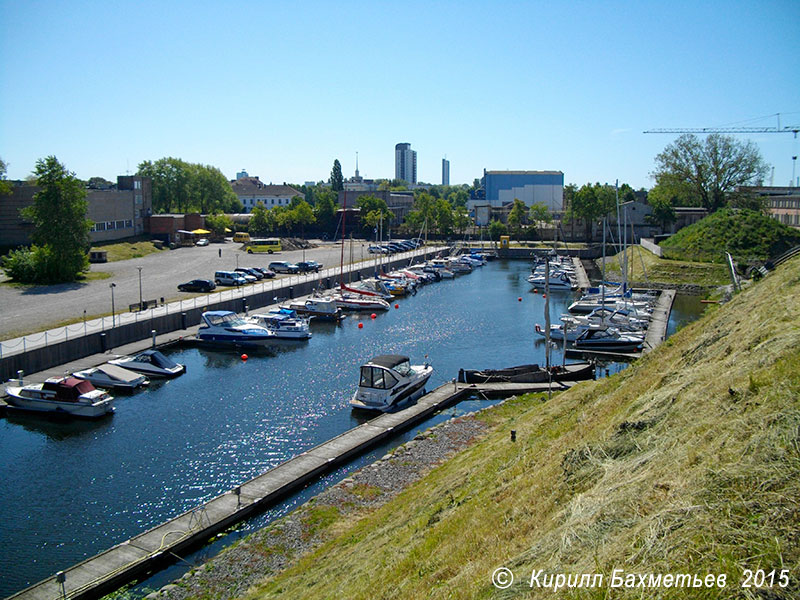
(161, 545)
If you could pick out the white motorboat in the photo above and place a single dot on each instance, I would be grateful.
(439, 266)
(558, 280)
(319, 307)
(226, 327)
(389, 380)
(110, 376)
(65, 396)
(151, 363)
(608, 339)
(284, 323)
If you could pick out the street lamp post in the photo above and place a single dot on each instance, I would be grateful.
(140, 287)
(112, 286)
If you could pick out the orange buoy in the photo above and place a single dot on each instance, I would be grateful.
(245, 357)
(373, 316)
(361, 326)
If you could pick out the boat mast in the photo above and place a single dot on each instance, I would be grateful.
(547, 324)
(341, 260)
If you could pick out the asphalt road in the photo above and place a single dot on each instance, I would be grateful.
(27, 310)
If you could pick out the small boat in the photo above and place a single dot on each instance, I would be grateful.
(608, 340)
(529, 374)
(151, 363)
(353, 299)
(322, 308)
(284, 323)
(389, 380)
(112, 377)
(559, 280)
(65, 396)
(226, 327)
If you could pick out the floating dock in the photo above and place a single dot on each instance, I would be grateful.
(109, 570)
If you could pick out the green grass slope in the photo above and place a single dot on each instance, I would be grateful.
(746, 234)
(686, 462)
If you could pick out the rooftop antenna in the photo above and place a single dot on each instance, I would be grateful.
(356, 164)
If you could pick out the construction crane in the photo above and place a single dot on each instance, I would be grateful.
(786, 129)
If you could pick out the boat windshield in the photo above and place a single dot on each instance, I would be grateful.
(404, 368)
(375, 377)
(230, 320)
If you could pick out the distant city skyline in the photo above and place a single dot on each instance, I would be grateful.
(491, 85)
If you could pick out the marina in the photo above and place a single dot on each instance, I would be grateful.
(188, 442)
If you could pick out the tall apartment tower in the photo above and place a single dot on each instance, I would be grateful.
(405, 163)
(445, 172)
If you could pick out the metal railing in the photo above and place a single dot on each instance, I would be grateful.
(278, 285)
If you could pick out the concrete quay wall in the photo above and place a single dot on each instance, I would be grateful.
(52, 355)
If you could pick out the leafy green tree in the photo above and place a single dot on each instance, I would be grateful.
(590, 203)
(711, 169)
(445, 219)
(337, 181)
(209, 190)
(661, 202)
(262, 222)
(303, 215)
(461, 219)
(516, 216)
(217, 223)
(538, 212)
(61, 229)
(372, 210)
(98, 183)
(496, 229)
(325, 209)
(5, 186)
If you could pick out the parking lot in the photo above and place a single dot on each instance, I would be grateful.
(26, 310)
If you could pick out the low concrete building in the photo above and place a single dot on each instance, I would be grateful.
(783, 203)
(118, 212)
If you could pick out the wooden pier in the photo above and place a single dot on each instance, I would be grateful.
(155, 548)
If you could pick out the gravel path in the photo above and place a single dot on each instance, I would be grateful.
(270, 550)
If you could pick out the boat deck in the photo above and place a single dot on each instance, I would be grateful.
(124, 562)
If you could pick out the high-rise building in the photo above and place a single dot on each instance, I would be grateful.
(445, 172)
(405, 163)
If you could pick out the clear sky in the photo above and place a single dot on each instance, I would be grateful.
(284, 88)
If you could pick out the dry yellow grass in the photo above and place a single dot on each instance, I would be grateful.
(687, 462)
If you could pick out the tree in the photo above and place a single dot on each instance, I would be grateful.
(372, 211)
(516, 216)
(180, 187)
(590, 203)
(325, 209)
(337, 181)
(218, 223)
(444, 216)
(661, 202)
(496, 229)
(711, 170)
(98, 183)
(5, 187)
(61, 229)
(261, 221)
(209, 191)
(303, 215)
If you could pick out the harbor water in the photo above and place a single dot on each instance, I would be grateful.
(70, 489)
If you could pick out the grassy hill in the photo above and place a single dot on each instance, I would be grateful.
(746, 234)
(686, 462)
(646, 268)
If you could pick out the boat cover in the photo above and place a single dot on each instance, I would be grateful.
(118, 373)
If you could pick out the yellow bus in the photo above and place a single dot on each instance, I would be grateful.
(268, 245)
(241, 237)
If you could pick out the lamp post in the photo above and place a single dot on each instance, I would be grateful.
(140, 287)
(112, 286)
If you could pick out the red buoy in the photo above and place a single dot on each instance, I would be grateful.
(535, 291)
(519, 299)
(397, 306)
(544, 295)
(373, 316)
(361, 326)
(245, 357)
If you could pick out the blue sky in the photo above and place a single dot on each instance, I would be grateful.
(284, 88)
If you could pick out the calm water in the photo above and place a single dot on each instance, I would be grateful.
(72, 489)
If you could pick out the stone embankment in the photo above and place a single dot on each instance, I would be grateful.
(270, 550)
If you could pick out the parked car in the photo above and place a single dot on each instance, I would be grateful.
(394, 247)
(229, 278)
(282, 266)
(375, 249)
(201, 242)
(197, 285)
(257, 275)
(309, 266)
(265, 272)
